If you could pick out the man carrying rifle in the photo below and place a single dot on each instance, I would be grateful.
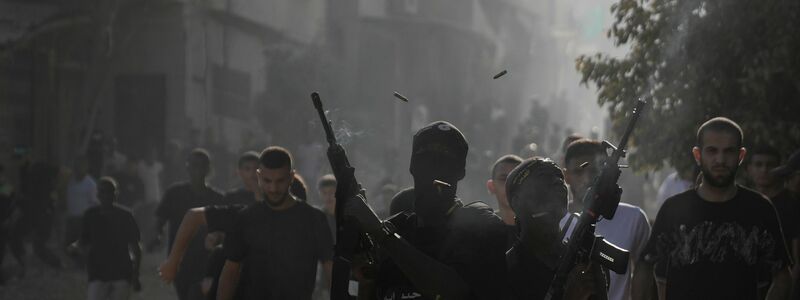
(276, 243)
(719, 240)
(451, 250)
(629, 229)
(537, 195)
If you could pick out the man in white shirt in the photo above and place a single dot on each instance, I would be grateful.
(114, 161)
(629, 229)
(149, 170)
(150, 173)
(674, 184)
(81, 194)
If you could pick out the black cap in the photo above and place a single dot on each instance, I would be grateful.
(442, 138)
(792, 165)
(533, 165)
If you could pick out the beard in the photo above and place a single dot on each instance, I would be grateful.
(276, 201)
(719, 182)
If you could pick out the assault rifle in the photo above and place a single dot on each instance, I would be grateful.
(601, 199)
(348, 236)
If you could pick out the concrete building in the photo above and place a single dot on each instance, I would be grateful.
(234, 75)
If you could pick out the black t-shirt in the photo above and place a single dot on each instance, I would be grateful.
(178, 199)
(38, 180)
(222, 217)
(239, 196)
(528, 278)
(709, 250)
(107, 231)
(219, 218)
(216, 261)
(279, 250)
(131, 188)
(789, 212)
(473, 243)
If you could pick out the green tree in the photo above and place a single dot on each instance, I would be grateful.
(693, 60)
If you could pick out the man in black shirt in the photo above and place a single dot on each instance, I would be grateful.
(219, 219)
(234, 201)
(178, 199)
(762, 160)
(537, 193)
(789, 176)
(790, 173)
(35, 203)
(130, 185)
(246, 169)
(451, 250)
(109, 234)
(276, 243)
(720, 240)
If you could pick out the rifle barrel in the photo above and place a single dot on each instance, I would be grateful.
(326, 124)
(631, 123)
(589, 217)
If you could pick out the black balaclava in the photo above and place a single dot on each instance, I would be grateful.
(439, 152)
(538, 217)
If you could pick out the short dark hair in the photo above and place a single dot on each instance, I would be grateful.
(200, 153)
(505, 159)
(107, 180)
(298, 188)
(720, 124)
(326, 181)
(764, 150)
(571, 138)
(275, 157)
(583, 147)
(249, 156)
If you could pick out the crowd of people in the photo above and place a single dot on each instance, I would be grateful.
(719, 233)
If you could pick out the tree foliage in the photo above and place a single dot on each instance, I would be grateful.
(693, 60)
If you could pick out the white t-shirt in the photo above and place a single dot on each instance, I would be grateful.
(629, 230)
(671, 186)
(150, 174)
(81, 194)
(115, 162)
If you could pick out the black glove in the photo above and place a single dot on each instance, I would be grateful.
(357, 208)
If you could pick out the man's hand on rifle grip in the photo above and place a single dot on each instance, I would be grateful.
(356, 207)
